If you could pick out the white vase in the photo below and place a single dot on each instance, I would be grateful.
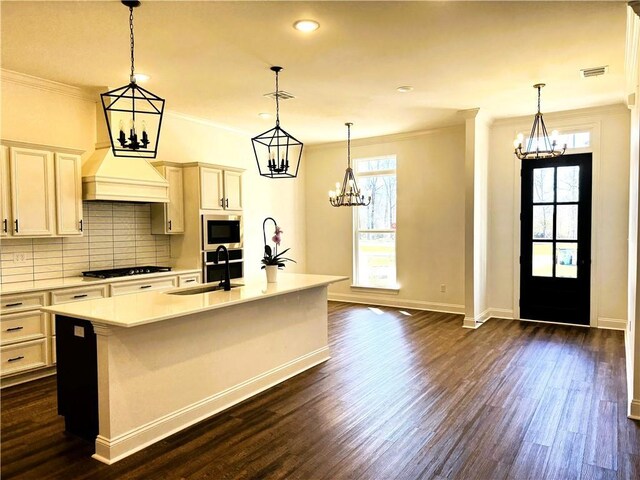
(272, 273)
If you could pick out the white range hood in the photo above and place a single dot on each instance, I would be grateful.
(107, 177)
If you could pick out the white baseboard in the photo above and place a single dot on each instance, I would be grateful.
(612, 323)
(110, 450)
(634, 409)
(502, 313)
(399, 303)
(477, 321)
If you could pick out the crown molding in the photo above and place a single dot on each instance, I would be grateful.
(38, 83)
(395, 137)
(615, 109)
(203, 121)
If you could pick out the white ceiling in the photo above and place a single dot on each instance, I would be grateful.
(211, 59)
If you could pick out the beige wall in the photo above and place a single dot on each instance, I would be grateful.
(610, 147)
(42, 112)
(430, 217)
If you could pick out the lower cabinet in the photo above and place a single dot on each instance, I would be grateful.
(28, 335)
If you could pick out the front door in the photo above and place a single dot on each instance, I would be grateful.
(555, 239)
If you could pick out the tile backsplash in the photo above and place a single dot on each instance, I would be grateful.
(116, 234)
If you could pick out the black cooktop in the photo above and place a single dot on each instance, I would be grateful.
(122, 272)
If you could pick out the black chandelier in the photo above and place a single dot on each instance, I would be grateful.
(276, 147)
(539, 144)
(133, 114)
(348, 195)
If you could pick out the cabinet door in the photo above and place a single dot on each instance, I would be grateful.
(233, 190)
(175, 207)
(211, 193)
(32, 195)
(5, 199)
(68, 194)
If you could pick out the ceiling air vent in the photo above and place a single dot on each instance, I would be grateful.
(282, 95)
(594, 72)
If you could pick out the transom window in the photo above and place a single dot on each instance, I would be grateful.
(375, 225)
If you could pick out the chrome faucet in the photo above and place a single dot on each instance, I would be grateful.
(226, 283)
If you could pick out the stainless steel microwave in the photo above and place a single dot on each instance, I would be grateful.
(221, 230)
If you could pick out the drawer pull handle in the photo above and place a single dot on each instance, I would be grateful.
(81, 296)
(17, 304)
(146, 286)
(13, 329)
(191, 280)
(15, 359)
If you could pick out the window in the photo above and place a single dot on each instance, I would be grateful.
(573, 140)
(375, 225)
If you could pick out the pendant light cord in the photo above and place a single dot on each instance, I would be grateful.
(539, 88)
(349, 145)
(277, 102)
(133, 77)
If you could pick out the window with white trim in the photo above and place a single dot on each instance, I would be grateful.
(374, 226)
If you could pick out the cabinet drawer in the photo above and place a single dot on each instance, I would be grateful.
(23, 356)
(23, 301)
(188, 279)
(18, 327)
(78, 294)
(123, 288)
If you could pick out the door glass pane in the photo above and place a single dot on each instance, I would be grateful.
(377, 259)
(567, 222)
(567, 260)
(568, 184)
(542, 185)
(542, 261)
(543, 221)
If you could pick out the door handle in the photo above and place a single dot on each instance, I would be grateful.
(169, 225)
(81, 226)
(227, 203)
(5, 225)
(16, 222)
(222, 202)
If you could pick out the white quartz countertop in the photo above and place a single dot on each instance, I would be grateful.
(148, 307)
(69, 282)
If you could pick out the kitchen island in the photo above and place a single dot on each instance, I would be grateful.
(137, 368)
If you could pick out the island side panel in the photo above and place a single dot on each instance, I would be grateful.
(159, 378)
(77, 376)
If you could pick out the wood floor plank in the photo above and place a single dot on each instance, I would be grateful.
(402, 397)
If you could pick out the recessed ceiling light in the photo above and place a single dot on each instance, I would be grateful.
(264, 115)
(404, 88)
(306, 25)
(141, 77)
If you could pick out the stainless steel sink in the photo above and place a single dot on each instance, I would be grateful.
(202, 289)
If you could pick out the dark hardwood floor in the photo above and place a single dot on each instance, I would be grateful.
(403, 397)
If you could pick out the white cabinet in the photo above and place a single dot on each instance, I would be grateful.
(68, 194)
(40, 192)
(168, 218)
(188, 279)
(137, 286)
(5, 198)
(32, 192)
(220, 189)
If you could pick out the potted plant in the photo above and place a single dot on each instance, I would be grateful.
(272, 260)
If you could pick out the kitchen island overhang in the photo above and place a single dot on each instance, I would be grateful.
(163, 362)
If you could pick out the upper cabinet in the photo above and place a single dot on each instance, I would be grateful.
(220, 188)
(168, 218)
(32, 192)
(41, 192)
(68, 194)
(4, 191)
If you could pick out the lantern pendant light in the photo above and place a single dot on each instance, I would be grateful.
(133, 114)
(539, 144)
(348, 195)
(277, 153)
